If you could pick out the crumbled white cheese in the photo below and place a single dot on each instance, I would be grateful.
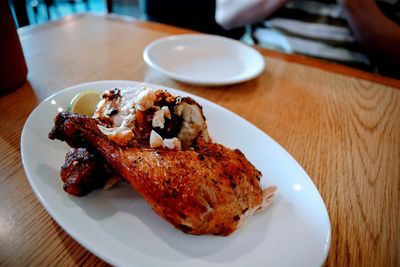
(128, 105)
(173, 144)
(129, 121)
(145, 99)
(119, 135)
(167, 113)
(159, 117)
(100, 108)
(155, 140)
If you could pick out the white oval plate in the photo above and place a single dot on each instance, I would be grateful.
(204, 59)
(119, 227)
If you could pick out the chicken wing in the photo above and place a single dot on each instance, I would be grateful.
(82, 172)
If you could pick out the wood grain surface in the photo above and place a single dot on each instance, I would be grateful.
(340, 124)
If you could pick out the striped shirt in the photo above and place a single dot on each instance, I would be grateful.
(319, 29)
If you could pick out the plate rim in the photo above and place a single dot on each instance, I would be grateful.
(182, 78)
(73, 233)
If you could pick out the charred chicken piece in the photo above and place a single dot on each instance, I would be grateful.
(208, 190)
(82, 172)
(143, 118)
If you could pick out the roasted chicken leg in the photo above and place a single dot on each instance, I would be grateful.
(208, 190)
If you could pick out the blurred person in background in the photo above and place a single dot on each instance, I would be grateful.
(360, 33)
(196, 15)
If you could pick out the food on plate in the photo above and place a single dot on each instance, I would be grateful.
(84, 103)
(151, 118)
(82, 172)
(135, 117)
(207, 190)
(160, 145)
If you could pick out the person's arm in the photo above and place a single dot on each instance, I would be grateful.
(236, 13)
(378, 35)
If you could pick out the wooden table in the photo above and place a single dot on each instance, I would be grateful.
(342, 125)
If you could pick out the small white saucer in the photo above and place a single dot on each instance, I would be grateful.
(204, 59)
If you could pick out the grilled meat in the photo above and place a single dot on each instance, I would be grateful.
(82, 172)
(207, 190)
(143, 118)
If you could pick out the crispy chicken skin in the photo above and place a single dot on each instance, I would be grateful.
(82, 172)
(208, 190)
(143, 117)
(199, 192)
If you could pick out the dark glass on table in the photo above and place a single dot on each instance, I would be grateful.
(13, 69)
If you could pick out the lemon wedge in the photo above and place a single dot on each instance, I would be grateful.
(84, 103)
